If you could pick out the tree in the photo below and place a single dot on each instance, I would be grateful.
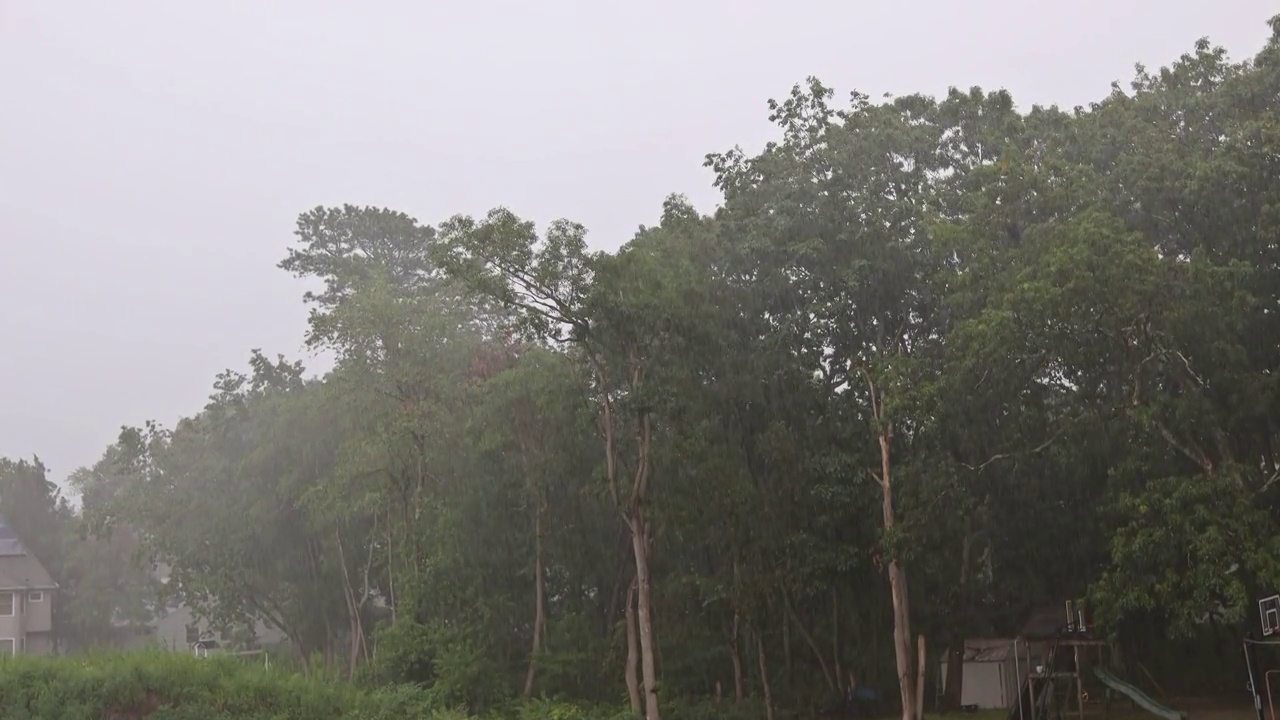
(839, 206)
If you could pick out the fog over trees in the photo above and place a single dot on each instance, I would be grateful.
(932, 362)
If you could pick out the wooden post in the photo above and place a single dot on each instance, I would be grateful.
(1079, 687)
(920, 678)
(1031, 678)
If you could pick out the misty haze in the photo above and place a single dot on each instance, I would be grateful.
(718, 360)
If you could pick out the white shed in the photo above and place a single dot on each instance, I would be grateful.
(992, 677)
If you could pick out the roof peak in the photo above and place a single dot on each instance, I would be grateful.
(10, 543)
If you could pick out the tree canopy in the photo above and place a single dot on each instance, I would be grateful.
(931, 362)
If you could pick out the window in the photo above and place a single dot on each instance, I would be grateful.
(35, 596)
(7, 647)
(193, 632)
(7, 603)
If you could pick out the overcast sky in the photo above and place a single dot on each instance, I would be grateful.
(155, 153)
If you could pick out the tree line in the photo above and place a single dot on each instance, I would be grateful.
(930, 362)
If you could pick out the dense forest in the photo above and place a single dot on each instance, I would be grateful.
(931, 362)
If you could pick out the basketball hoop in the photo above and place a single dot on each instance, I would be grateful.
(1269, 612)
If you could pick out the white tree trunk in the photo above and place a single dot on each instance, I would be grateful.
(644, 618)
(897, 588)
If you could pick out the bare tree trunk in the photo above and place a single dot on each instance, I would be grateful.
(636, 517)
(920, 666)
(764, 676)
(897, 585)
(835, 639)
(640, 545)
(633, 651)
(955, 674)
(735, 654)
(813, 645)
(355, 629)
(955, 653)
(365, 594)
(622, 580)
(786, 651)
(539, 600)
(391, 575)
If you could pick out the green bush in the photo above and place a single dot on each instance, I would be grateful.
(166, 686)
(455, 672)
(169, 686)
(553, 710)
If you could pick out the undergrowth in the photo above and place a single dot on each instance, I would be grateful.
(167, 686)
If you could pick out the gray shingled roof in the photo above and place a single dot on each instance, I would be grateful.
(19, 569)
(9, 542)
(24, 572)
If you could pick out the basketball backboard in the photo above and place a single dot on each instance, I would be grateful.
(1269, 611)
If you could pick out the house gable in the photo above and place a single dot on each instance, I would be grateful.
(19, 569)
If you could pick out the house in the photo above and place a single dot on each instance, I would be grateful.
(26, 599)
(175, 627)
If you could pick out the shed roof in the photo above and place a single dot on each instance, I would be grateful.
(988, 650)
(1045, 621)
(984, 650)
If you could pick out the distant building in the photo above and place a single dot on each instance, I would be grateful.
(994, 670)
(26, 599)
(175, 627)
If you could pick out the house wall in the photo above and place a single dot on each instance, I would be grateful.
(984, 685)
(40, 643)
(40, 613)
(988, 685)
(994, 682)
(11, 624)
(28, 620)
(171, 630)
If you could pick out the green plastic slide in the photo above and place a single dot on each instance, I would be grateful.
(1142, 699)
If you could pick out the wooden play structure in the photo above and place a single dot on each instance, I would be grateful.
(1053, 687)
(1264, 669)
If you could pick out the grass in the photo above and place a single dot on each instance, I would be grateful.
(1120, 710)
(166, 686)
(155, 685)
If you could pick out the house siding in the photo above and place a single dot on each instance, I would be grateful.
(40, 643)
(992, 676)
(28, 624)
(169, 626)
(39, 613)
(171, 630)
(31, 624)
(11, 625)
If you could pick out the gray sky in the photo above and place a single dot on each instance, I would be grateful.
(155, 153)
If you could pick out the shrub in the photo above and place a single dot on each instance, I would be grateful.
(168, 686)
(163, 686)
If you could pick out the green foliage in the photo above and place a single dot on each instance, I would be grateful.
(167, 686)
(1190, 550)
(1056, 329)
(156, 685)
